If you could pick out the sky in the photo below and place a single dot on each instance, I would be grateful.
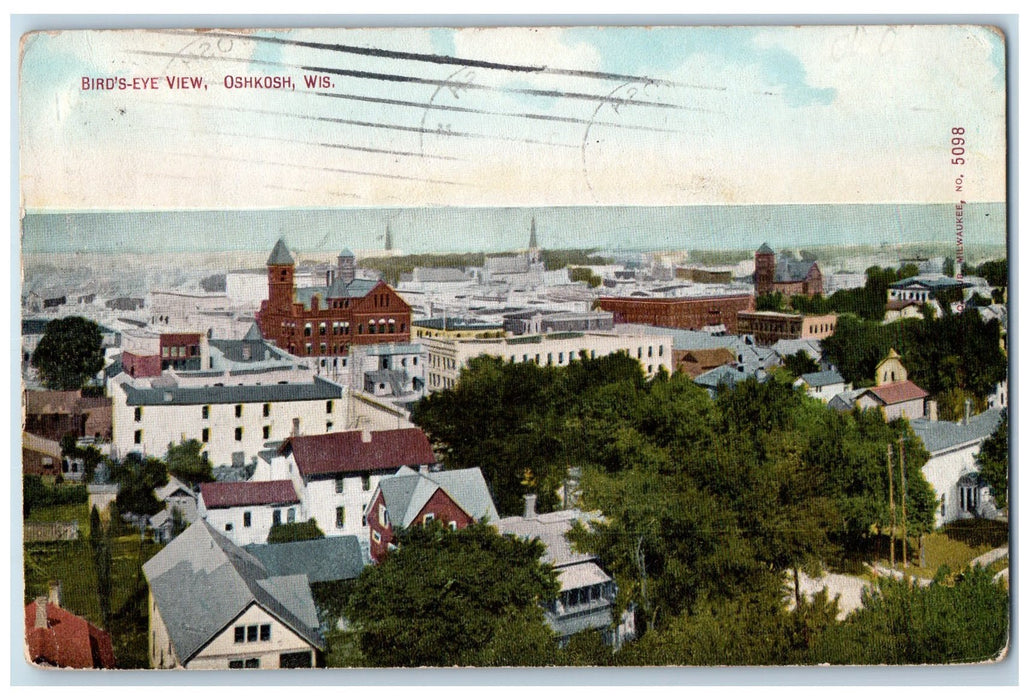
(512, 117)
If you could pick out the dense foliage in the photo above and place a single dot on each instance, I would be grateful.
(187, 463)
(993, 463)
(295, 532)
(137, 477)
(903, 623)
(954, 352)
(445, 598)
(69, 354)
(37, 494)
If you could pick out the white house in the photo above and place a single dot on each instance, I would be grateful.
(336, 474)
(951, 469)
(244, 511)
(822, 385)
(213, 605)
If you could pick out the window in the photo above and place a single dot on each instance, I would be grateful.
(246, 519)
(340, 516)
(205, 435)
(239, 410)
(239, 434)
(453, 525)
(139, 413)
(266, 410)
(328, 406)
(238, 663)
(266, 431)
(291, 515)
(383, 520)
(366, 482)
(328, 426)
(266, 632)
(376, 536)
(251, 633)
(276, 517)
(240, 634)
(205, 412)
(943, 505)
(137, 437)
(429, 517)
(339, 485)
(252, 663)
(228, 527)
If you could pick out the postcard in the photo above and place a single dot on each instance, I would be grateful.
(598, 346)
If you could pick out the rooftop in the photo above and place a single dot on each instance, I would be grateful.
(824, 378)
(314, 390)
(60, 638)
(348, 452)
(325, 559)
(248, 493)
(201, 582)
(940, 436)
(898, 392)
(407, 492)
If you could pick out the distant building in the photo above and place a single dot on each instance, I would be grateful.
(327, 320)
(823, 386)
(456, 498)
(893, 394)
(40, 456)
(245, 511)
(696, 362)
(787, 276)
(542, 321)
(524, 271)
(54, 414)
(769, 327)
(587, 597)
(704, 275)
(447, 357)
(924, 288)
(213, 605)
(147, 354)
(56, 637)
(455, 327)
(692, 313)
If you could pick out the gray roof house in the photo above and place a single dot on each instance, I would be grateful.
(214, 605)
(587, 597)
(952, 470)
(322, 560)
(824, 385)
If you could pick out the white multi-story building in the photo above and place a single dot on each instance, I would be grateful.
(245, 511)
(447, 356)
(251, 394)
(336, 474)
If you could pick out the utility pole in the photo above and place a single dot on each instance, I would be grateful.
(893, 509)
(903, 506)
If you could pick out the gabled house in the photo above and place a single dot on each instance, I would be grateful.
(245, 511)
(952, 470)
(213, 605)
(175, 496)
(587, 597)
(336, 474)
(822, 385)
(457, 498)
(56, 637)
(894, 394)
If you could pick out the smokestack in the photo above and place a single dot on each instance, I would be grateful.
(41, 613)
(530, 505)
(933, 411)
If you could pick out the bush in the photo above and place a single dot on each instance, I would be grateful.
(295, 532)
(36, 494)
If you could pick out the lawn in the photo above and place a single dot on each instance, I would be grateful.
(71, 563)
(72, 511)
(954, 546)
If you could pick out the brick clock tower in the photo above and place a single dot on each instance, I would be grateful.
(764, 270)
(280, 280)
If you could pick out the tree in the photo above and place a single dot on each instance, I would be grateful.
(295, 532)
(799, 363)
(69, 354)
(773, 301)
(904, 623)
(993, 462)
(444, 598)
(188, 464)
(137, 477)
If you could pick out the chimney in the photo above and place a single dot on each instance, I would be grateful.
(530, 505)
(366, 435)
(296, 427)
(41, 622)
(55, 593)
(933, 412)
(968, 410)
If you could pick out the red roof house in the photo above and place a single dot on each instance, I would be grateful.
(56, 637)
(248, 493)
(359, 451)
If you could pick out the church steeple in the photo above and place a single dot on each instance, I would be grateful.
(534, 250)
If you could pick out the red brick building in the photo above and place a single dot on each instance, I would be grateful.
(456, 498)
(327, 320)
(789, 277)
(691, 313)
